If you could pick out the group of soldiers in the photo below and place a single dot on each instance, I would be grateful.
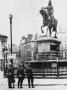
(22, 72)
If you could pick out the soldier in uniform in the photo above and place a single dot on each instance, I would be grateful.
(10, 76)
(20, 75)
(29, 75)
(13, 79)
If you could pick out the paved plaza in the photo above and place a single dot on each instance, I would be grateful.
(40, 84)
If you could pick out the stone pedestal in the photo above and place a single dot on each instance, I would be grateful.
(48, 48)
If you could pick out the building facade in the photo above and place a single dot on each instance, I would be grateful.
(3, 47)
(28, 48)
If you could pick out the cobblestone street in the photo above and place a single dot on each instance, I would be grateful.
(40, 84)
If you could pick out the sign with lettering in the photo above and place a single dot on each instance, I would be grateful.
(11, 56)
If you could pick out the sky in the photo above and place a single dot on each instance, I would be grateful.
(27, 19)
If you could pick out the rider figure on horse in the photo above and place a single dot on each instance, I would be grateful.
(50, 9)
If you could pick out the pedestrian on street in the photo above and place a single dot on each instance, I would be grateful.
(13, 79)
(10, 76)
(20, 75)
(29, 76)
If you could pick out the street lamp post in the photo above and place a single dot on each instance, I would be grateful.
(10, 17)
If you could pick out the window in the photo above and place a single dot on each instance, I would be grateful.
(54, 47)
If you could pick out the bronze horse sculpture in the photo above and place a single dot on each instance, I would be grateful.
(51, 22)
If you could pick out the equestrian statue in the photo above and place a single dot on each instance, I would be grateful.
(49, 19)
